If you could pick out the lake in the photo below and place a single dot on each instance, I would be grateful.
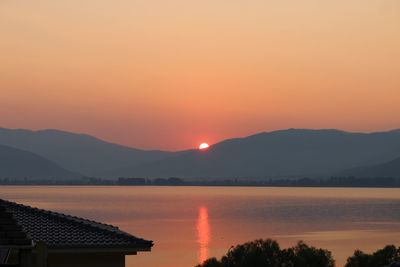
(190, 224)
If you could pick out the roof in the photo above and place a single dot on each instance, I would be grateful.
(11, 233)
(24, 224)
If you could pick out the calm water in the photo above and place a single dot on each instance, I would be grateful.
(189, 224)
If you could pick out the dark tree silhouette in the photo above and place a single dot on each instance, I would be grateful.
(380, 258)
(304, 255)
(258, 253)
(212, 262)
(267, 253)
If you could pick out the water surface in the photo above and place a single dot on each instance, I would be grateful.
(190, 224)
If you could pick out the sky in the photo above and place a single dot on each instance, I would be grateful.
(159, 74)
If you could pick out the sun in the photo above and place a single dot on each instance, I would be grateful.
(203, 146)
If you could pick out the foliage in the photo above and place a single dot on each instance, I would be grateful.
(304, 255)
(267, 253)
(212, 262)
(382, 257)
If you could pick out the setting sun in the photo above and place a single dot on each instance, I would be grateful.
(203, 146)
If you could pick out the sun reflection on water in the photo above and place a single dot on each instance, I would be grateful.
(203, 233)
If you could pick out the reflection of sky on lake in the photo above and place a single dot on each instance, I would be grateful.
(203, 233)
(178, 219)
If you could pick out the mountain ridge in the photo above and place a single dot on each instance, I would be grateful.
(82, 153)
(282, 153)
(20, 164)
(303, 152)
(387, 169)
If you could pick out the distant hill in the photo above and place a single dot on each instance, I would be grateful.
(286, 153)
(19, 164)
(78, 152)
(278, 154)
(388, 169)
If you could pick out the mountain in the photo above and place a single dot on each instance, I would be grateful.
(285, 153)
(388, 169)
(78, 152)
(278, 154)
(19, 164)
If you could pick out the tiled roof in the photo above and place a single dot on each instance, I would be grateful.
(11, 233)
(60, 231)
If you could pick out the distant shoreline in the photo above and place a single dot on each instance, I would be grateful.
(332, 182)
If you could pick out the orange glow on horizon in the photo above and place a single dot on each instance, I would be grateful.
(161, 74)
(203, 234)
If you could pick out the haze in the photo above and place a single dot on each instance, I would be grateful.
(173, 74)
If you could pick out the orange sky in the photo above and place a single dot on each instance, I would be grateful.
(171, 74)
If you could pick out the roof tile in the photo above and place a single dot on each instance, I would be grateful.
(59, 230)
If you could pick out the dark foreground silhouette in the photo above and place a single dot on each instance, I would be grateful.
(388, 256)
(267, 253)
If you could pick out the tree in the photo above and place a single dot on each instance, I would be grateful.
(212, 262)
(358, 259)
(303, 255)
(381, 257)
(267, 253)
(258, 253)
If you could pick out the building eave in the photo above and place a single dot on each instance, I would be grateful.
(77, 249)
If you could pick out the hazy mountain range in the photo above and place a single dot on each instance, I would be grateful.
(287, 153)
(387, 169)
(278, 154)
(77, 152)
(15, 163)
